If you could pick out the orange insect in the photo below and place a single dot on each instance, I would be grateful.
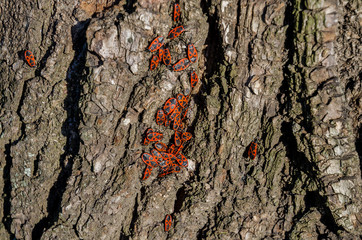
(146, 141)
(181, 65)
(182, 100)
(191, 53)
(166, 56)
(182, 160)
(168, 222)
(149, 160)
(160, 53)
(160, 117)
(170, 105)
(174, 33)
(175, 113)
(147, 173)
(179, 149)
(194, 79)
(176, 12)
(253, 150)
(156, 44)
(186, 136)
(177, 124)
(29, 57)
(154, 62)
(160, 146)
(154, 136)
(177, 139)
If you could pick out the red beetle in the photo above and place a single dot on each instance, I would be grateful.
(182, 160)
(160, 53)
(191, 53)
(186, 136)
(149, 160)
(154, 62)
(146, 141)
(147, 173)
(253, 150)
(182, 100)
(194, 79)
(166, 56)
(177, 124)
(160, 117)
(154, 136)
(181, 65)
(177, 138)
(168, 222)
(29, 57)
(170, 105)
(174, 33)
(161, 147)
(176, 12)
(175, 113)
(156, 44)
(171, 149)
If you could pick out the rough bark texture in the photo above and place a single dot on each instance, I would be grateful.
(285, 72)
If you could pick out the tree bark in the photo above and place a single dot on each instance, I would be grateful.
(284, 72)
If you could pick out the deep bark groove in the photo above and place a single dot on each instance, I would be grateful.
(69, 129)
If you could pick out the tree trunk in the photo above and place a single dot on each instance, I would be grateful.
(286, 73)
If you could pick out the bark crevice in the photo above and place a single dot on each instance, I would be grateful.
(69, 129)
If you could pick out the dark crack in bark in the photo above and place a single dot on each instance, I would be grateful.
(7, 220)
(69, 129)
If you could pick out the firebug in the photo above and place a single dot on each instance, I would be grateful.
(184, 114)
(154, 62)
(146, 141)
(177, 138)
(156, 44)
(179, 149)
(194, 79)
(147, 172)
(171, 149)
(174, 33)
(177, 124)
(154, 136)
(29, 57)
(191, 53)
(175, 113)
(181, 65)
(149, 160)
(160, 54)
(182, 160)
(161, 147)
(186, 136)
(170, 105)
(167, 122)
(168, 222)
(166, 56)
(182, 100)
(176, 12)
(156, 154)
(253, 150)
(160, 117)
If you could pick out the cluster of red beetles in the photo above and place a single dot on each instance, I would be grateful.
(164, 54)
(174, 112)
